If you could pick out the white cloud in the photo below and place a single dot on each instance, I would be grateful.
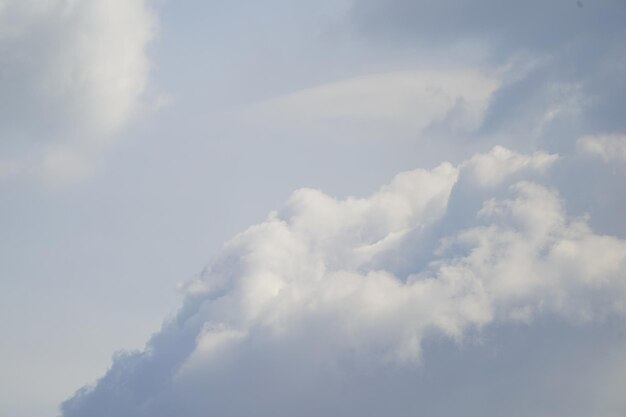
(394, 104)
(492, 168)
(566, 62)
(73, 73)
(318, 282)
(607, 147)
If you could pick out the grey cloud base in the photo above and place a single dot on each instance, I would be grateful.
(395, 304)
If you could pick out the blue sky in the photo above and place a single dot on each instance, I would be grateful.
(141, 140)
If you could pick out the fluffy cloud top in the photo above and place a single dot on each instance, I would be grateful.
(73, 73)
(326, 292)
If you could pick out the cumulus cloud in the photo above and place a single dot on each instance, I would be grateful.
(73, 73)
(331, 306)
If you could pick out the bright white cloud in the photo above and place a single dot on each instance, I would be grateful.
(73, 73)
(372, 279)
(492, 168)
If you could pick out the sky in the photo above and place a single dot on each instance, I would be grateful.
(346, 207)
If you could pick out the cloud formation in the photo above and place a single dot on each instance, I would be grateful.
(607, 147)
(562, 60)
(73, 73)
(328, 299)
(394, 104)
